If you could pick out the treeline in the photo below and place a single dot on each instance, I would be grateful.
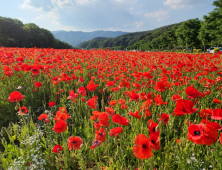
(182, 35)
(124, 40)
(13, 33)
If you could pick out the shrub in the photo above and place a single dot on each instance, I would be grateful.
(165, 50)
(216, 50)
(178, 51)
(172, 50)
(199, 50)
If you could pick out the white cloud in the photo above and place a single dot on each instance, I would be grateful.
(177, 4)
(160, 15)
(139, 24)
(27, 5)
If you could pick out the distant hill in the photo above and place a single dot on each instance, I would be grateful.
(13, 33)
(126, 40)
(76, 37)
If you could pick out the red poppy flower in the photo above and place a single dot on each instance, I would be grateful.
(123, 106)
(214, 124)
(142, 149)
(160, 86)
(60, 126)
(117, 118)
(110, 83)
(184, 107)
(134, 96)
(96, 113)
(136, 114)
(178, 141)
(52, 104)
(22, 110)
(115, 131)
(155, 142)
(95, 144)
(192, 92)
(202, 134)
(121, 101)
(176, 97)
(57, 149)
(152, 128)
(158, 100)
(35, 70)
(217, 101)
(205, 113)
(195, 133)
(72, 95)
(92, 86)
(74, 142)
(43, 116)
(97, 125)
(63, 110)
(92, 118)
(81, 79)
(61, 116)
(15, 96)
(113, 102)
(124, 121)
(217, 114)
(147, 112)
(147, 104)
(120, 120)
(82, 91)
(103, 119)
(92, 103)
(101, 135)
(110, 111)
(164, 118)
(38, 84)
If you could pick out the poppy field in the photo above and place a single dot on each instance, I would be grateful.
(109, 110)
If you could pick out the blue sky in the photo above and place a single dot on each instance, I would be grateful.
(112, 15)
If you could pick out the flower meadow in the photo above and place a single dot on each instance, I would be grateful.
(102, 109)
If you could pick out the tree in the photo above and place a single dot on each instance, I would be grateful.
(187, 33)
(214, 23)
(205, 31)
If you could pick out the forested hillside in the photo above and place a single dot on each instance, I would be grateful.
(13, 33)
(125, 40)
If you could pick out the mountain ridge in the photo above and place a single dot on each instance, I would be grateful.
(76, 37)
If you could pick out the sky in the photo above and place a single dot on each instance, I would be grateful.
(107, 15)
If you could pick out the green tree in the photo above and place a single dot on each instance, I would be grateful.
(204, 32)
(187, 33)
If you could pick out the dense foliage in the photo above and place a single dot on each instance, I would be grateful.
(13, 33)
(125, 40)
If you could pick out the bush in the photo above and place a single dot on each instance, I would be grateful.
(165, 50)
(184, 50)
(172, 50)
(178, 51)
(196, 50)
(216, 50)
(199, 50)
